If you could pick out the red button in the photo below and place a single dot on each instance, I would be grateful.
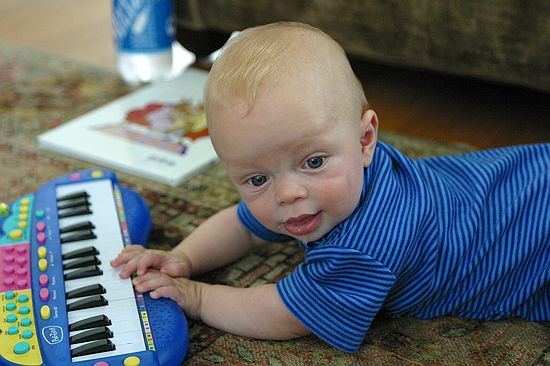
(41, 237)
(74, 176)
(101, 363)
(22, 284)
(9, 259)
(9, 269)
(9, 281)
(43, 280)
(44, 294)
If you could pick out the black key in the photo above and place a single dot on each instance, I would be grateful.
(91, 322)
(83, 273)
(88, 302)
(103, 345)
(72, 196)
(82, 201)
(86, 225)
(91, 335)
(95, 289)
(78, 236)
(81, 262)
(75, 211)
(84, 252)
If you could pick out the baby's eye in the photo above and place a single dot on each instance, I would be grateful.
(258, 180)
(315, 162)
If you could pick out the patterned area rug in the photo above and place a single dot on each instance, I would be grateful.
(39, 91)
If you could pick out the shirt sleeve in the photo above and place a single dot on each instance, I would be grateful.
(337, 293)
(249, 221)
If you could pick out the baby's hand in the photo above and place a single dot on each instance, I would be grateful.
(186, 293)
(136, 258)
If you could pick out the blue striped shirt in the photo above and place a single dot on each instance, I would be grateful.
(466, 235)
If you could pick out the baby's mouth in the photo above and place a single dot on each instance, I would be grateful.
(303, 224)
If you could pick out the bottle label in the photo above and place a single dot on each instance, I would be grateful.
(143, 25)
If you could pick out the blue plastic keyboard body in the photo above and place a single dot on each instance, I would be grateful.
(34, 281)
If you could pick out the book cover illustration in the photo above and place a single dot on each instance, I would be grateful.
(157, 132)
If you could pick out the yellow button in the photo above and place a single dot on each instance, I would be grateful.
(45, 312)
(132, 361)
(97, 174)
(25, 201)
(15, 234)
(22, 224)
(24, 209)
(42, 252)
(42, 264)
(23, 216)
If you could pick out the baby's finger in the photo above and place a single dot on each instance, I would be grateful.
(151, 281)
(129, 268)
(126, 254)
(152, 259)
(176, 269)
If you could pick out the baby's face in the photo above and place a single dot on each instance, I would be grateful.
(297, 164)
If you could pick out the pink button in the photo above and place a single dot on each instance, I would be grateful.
(101, 363)
(22, 283)
(9, 249)
(21, 249)
(44, 294)
(43, 280)
(21, 271)
(21, 260)
(9, 281)
(9, 269)
(40, 226)
(9, 259)
(41, 237)
(74, 176)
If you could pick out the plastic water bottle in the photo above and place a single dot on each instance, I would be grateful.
(143, 32)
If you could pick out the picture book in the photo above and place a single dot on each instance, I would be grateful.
(157, 132)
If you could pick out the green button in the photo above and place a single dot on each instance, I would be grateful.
(10, 295)
(24, 310)
(22, 298)
(11, 306)
(11, 318)
(13, 330)
(21, 348)
(39, 214)
(25, 322)
(27, 333)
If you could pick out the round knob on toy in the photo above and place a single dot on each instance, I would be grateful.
(4, 209)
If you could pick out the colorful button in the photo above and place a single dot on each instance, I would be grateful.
(39, 214)
(11, 306)
(21, 249)
(27, 333)
(15, 234)
(24, 209)
(25, 201)
(24, 310)
(21, 348)
(21, 271)
(21, 261)
(9, 248)
(42, 252)
(42, 264)
(25, 322)
(41, 237)
(11, 318)
(23, 216)
(9, 258)
(14, 329)
(132, 361)
(4, 209)
(101, 363)
(22, 298)
(10, 295)
(8, 281)
(40, 226)
(45, 312)
(74, 176)
(44, 294)
(8, 269)
(43, 280)
(97, 174)
(22, 224)
(22, 283)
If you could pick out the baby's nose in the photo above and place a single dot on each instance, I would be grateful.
(290, 192)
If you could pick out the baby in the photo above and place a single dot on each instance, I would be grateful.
(467, 235)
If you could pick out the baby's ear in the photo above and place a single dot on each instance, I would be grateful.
(369, 131)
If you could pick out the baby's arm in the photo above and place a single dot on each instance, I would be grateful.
(219, 240)
(256, 312)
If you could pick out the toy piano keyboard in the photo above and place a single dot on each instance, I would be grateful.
(61, 303)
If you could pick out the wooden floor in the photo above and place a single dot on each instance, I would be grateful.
(422, 104)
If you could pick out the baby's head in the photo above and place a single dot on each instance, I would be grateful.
(289, 120)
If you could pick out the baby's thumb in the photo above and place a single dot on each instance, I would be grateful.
(175, 270)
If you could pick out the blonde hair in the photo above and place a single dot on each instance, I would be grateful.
(258, 56)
